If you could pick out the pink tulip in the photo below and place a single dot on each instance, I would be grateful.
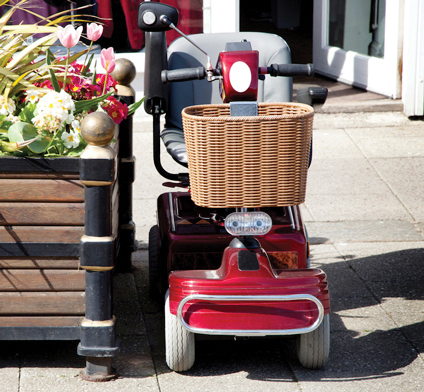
(94, 31)
(68, 36)
(107, 59)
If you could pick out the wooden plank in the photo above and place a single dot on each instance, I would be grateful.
(54, 234)
(56, 304)
(41, 190)
(40, 176)
(39, 263)
(70, 321)
(42, 280)
(62, 214)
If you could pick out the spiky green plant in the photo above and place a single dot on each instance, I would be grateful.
(47, 122)
(22, 64)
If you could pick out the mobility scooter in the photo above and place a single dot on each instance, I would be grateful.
(230, 252)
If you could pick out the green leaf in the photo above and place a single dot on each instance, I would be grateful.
(5, 127)
(134, 106)
(22, 131)
(27, 112)
(76, 152)
(19, 59)
(10, 77)
(93, 79)
(87, 67)
(89, 104)
(53, 79)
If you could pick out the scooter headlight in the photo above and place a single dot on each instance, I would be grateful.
(248, 223)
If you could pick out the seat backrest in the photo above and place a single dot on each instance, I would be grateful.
(182, 54)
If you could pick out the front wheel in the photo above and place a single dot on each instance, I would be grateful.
(313, 348)
(179, 343)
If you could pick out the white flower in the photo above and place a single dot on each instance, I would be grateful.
(76, 126)
(48, 123)
(71, 139)
(54, 110)
(7, 106)
(12, 118)
(34, 95)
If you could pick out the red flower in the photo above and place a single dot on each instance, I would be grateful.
(77, 67)
(74, 87)
(118, 111)
(100, 80)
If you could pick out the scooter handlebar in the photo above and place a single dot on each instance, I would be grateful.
(291, 70)
(183, 74)
(186, 74)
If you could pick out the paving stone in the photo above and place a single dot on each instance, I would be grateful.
(362, 231)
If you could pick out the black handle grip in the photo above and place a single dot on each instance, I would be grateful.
(291, 70)
(183, 74)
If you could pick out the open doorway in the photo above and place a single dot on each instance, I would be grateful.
(293, 21)
(290, 19)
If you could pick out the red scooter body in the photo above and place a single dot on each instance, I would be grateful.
(271, 303)
(196, 251)
(189, 241)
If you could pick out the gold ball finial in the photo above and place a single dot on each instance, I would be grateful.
(124, 72)
(97, 129)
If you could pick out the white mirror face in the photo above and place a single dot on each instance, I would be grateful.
(149, 18)
(240, 76)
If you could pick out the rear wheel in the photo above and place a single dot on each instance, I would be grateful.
(313, 348)
(179, 343)
(154, 263)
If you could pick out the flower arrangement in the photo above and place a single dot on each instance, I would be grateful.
(45, 102)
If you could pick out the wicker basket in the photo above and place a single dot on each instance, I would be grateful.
(248, 161)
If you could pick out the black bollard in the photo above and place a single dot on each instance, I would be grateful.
(124, 73)
(97, 248)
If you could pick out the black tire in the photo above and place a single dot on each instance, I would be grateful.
(154, 263)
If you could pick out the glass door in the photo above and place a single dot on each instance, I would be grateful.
(359, 42)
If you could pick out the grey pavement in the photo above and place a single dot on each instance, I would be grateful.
(364, 211)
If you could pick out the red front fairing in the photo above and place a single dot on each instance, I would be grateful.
(196, 249)
(257, 315)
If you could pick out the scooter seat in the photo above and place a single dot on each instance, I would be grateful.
(173, 139)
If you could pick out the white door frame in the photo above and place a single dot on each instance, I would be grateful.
(221, 16)
(382, 76)
(413, 59)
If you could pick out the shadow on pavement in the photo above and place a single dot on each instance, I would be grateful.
(377, 329)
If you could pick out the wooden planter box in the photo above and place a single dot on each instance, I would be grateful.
(42, 213)
(43, 285)
(41, 224)
(49, 250)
